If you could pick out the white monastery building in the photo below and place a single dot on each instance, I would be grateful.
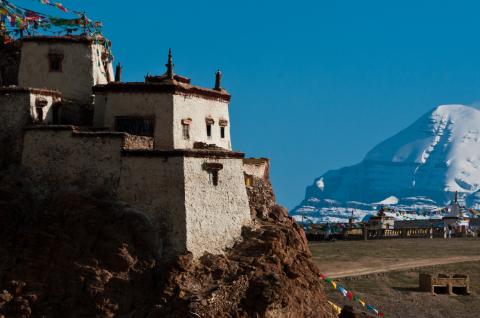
(162, 145)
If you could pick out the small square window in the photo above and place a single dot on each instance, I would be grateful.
(186, 131)
(222, 132)
(55, 62)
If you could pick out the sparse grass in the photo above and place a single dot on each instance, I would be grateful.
(335, 256)
(397, 292)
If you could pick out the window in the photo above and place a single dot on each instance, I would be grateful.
(55, 62)
(212, 168)
(186, 128)
(223, 123)
(213, 177)
(140, 126)
(210, 121)
(186, 131)
(209, 131)
(222, 132)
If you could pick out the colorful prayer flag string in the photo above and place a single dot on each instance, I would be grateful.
(16, 21)
(352, 297)
(55, 4)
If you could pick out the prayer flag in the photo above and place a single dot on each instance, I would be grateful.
(61, 7)
(350, 295)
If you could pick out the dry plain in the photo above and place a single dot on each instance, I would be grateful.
(385, 274)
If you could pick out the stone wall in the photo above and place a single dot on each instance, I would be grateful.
(109, 105)
(170, 112)
(172, 188)
(133, 142)
(259, 188)
(214, 214)
(81, 68)
(259, 168)
(19, 108)
(9, 63)
(155, 186)
(57, 157)
(198, 109)
(15, 115)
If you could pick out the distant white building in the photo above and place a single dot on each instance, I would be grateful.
(456, 217)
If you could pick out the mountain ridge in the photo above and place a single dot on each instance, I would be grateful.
(418, 168)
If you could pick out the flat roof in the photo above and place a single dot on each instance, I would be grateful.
(196, 153)
(19, 89)
(169, 87)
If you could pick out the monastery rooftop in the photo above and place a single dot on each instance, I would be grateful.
(171, 86)
(169, 82)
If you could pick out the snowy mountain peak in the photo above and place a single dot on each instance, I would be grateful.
(421, 166)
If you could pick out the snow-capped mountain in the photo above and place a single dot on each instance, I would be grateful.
(419, 168)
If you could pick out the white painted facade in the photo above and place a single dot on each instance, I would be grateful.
(199, 110)
(110, 105)
(82, 66)
(215, 215)
(173, 190)
(171, 112)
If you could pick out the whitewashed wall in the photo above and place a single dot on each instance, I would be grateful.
(80, 68)
(198, 109)
(56, 158)
(155, 185)
(189, 212)
(214, 214)
(109, 105)
(18, 110)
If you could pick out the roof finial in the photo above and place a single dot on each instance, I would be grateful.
(218, 81)
(170, 65)
(118, 73)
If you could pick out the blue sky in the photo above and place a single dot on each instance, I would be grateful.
(315, 84)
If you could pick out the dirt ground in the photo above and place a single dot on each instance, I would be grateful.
(385, 274)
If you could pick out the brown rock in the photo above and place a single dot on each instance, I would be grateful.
(76, 256)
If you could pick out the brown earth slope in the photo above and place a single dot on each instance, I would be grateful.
(76, 256)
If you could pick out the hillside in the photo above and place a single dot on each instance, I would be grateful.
(75, 255)
(421, 167)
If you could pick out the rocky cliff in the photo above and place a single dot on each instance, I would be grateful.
(79, 256)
